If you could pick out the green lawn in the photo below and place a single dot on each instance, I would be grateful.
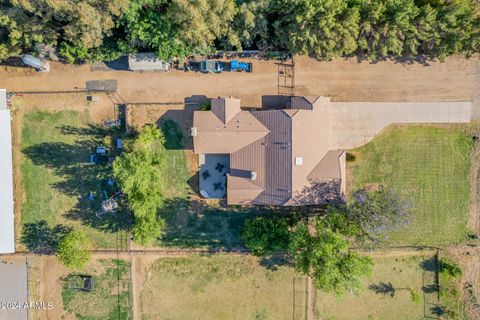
(217, 287)
(57, 176)
(397, 278)
(109, 299)
(429, 165)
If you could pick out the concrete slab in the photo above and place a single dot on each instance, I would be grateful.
(356, 123)
(213, 175)
(13, 289)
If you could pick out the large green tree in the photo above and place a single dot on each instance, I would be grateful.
(266, 235)
(74, 250)
(325, 255)
(139, 172)
(324, 28)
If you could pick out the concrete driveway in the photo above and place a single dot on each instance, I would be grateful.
(13, 288)
(356, 123)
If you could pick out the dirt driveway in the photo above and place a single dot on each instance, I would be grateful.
(457, 79)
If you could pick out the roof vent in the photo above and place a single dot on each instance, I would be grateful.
(298, 161)
(253, 175)
(194, 131)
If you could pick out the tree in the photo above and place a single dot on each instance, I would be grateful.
(200, 23)
(147, 27)
(139, 173)
(388, 27)
(324, 255)
(74, 250)
(380, 212)
(266, 235)
(323, 28)
(251, 24)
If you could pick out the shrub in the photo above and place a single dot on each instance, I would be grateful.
(264, 235)
(350, 157)
(73, 250)
(451, 268)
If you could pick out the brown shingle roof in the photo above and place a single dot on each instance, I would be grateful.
(225, 108)
(213, 136)
(268, 142)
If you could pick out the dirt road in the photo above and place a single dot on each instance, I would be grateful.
(457, 79)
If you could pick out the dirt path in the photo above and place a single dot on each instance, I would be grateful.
(342, 79)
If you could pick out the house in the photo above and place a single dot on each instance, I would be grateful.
(292, 151)
(278, 156)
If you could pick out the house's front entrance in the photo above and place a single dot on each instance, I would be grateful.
(213, 175)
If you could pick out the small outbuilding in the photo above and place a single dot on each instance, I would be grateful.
(146, 61)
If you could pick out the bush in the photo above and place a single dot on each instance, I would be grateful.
(265, 235)
(74, 250)
(350, 157)
(451, 268)
(414, 296)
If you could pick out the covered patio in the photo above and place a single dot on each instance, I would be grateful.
(213, 175)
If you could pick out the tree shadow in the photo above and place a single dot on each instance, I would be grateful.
(40, 238)
(320, 193)
(431, 288)
(272, 262)
(437, 310)
(383, 288)
(429, 265)
(79, 178)
(193, 223)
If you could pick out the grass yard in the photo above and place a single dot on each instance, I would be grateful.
(431, 166)
(189, 225)
(216, 287)
(176, 172)
(57, 176)
(387, 294)
(109, 299)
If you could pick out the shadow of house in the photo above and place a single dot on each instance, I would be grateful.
(184, 119)
(320, 192)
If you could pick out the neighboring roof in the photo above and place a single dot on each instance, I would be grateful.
(213, 136)
(225, 108)
(7, 237)
(146, 61)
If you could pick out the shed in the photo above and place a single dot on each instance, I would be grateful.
(146, 61)
(7, 238)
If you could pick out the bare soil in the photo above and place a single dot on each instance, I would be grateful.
(341, 79)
